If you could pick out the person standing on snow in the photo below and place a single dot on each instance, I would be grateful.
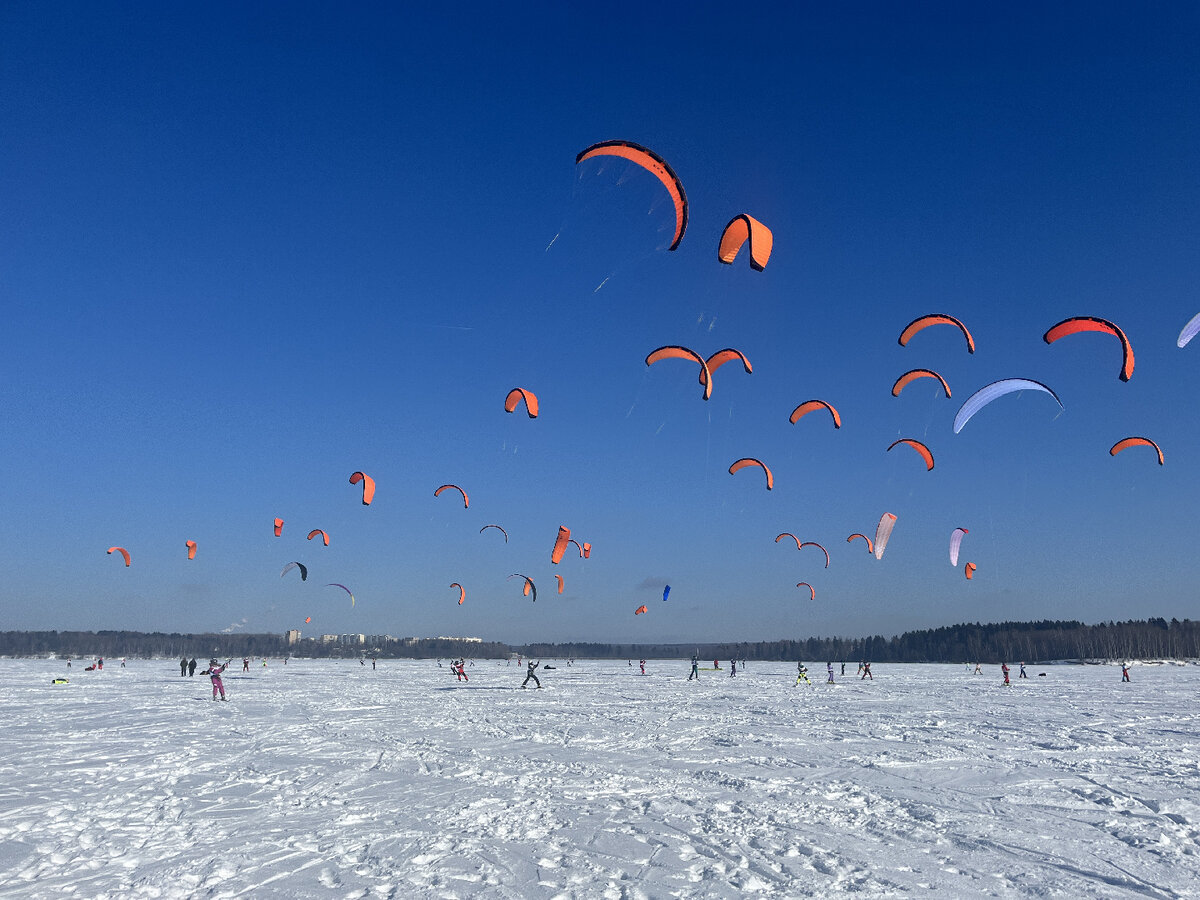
(183, 668)
(1004, 669)
(529, 673)
(695, 673)
(801, 673)
(1124, 671)
(1023, 675)
(829, 669)
(214, 672)
(642, 663)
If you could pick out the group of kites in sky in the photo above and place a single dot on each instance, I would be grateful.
(745, 231)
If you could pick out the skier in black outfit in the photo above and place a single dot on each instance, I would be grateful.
(529, 674)
(192, 667)
(695, 668)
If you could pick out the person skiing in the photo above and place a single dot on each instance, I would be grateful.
(829, 669)
(1124, 671)
(642, 663)
(191, 667)
(802, 673)
(866, 671)
(529, 674)
(214, 672)
(695, 673)
(1023, 675)
(1004, 669)
(183, 668)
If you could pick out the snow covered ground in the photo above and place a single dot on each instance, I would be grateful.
(328, 779)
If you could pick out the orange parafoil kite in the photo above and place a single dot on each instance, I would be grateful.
(560, 544)
(466, 502)
(870, 543)
(577, 546)
(587, 550)
(920, 448)
(516, 395)
(307, 619)
(721, 357)
(672, 351)
(912, 375)
(1136, 442)
(278, 527)
(935, 319)
(1078, 324)
(529, 586)
(368, 486)
(639, 610)
(498, 528)
(191, 549)
(560, 583)
(780, 537)
(811, 590)
(808, 406)
(654, 164)
(740, 229)
(122, 551)
(324, 537)
(748, 461)
(815, 544)
(462, 594)
(969, 570)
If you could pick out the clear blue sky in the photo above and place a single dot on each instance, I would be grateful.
(248, 250)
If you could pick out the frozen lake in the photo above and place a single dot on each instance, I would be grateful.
(329, 779)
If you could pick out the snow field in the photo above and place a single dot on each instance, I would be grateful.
(329, 779)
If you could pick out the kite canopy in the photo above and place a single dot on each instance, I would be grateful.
(324, 537)
(920, 448)
(986, 395)
(969, 570)
(368, 486)
(1079, 324)
(528, 588)
(639, 610)
(346, 589)
(935, 319)
(462, 594)
(653, 163)
(466, 500)
(748, 461)
(560, 544)
(883, 531)
(1136, 442)
(122, 551)
(912, 375)
(812, 592)
(278, 527)
(956, 537)
(498, 528)
(191, 549)
(516, 396)
(719, 359)
(808, 406)
(870, 543)
(1189, 331)
(672, 351)
(744, 228)
(296, 565)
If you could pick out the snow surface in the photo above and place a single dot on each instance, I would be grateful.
(328, 779)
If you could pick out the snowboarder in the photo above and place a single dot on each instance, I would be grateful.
(1124, 671)
(866, 671)
(641, 663)
(192, 667)
(529, 674)
(695, 673)
(182, 667)
(214, 672)
(1023, 675)
(1004, 669)
(802, 673)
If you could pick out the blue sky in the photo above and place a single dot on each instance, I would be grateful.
(245, 252)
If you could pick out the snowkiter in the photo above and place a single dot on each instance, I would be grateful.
(866, 671)
(1125, 671)
(829, 669)
(214, 671)
(641, 663)
(802, 673)
(1023, 675)
(529, 674)
(1004, 669)
(695, 673)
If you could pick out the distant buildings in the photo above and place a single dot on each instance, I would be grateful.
(292, 637)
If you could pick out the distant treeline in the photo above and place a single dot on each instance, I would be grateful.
(997, 642)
